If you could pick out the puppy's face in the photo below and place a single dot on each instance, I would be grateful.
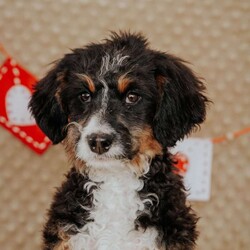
(118, 100)
(110, 110)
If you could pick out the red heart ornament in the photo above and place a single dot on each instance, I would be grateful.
(15, 91)
(181, 163)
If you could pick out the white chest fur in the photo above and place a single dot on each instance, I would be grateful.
(116, 205)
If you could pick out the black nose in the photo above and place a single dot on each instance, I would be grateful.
(100, 143)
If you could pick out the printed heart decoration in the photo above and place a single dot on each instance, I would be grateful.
(17, 100)
(16, 85)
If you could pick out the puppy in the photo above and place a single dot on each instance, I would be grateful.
(117, 106)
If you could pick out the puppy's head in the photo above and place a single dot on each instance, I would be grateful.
(118, 100)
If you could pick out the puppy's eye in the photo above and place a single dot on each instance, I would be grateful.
(85, 97)
(132, 98)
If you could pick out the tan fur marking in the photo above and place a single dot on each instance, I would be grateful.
(69, 144)
(160, 80)
(59, 78)
(63, 244)
(123, 83)
(88, 80)
(58, 98)
(149, 147)
(148, 144)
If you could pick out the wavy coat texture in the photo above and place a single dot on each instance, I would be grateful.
(117, 107)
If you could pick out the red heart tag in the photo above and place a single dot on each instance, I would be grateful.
(15, 91)
(181, 163)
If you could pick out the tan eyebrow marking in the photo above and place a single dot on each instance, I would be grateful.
(160, 80)
(123, 83)
(89, 81)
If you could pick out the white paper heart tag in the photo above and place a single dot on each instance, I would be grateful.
(198, 176)
(17, 99)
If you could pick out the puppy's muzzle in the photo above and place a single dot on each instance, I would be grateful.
(100, 143)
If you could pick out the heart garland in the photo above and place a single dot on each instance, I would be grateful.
(15, 91)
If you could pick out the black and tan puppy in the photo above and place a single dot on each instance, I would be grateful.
(117, 107)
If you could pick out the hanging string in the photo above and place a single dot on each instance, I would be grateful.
(231, 136)
(219, 139)
(4, 51)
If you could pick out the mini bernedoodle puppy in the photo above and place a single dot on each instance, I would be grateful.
(117, 107)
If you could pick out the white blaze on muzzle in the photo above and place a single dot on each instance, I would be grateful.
(98, 129)
(99, 141)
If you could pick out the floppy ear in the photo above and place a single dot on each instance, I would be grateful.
(182, 106)
(46, 109)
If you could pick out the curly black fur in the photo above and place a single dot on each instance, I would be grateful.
(173, 103)
(68, 208)
(169, 214)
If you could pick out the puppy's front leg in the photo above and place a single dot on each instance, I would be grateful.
(170, 215)
(68, 212)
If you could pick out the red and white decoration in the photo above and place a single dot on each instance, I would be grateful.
(194, 162)
(15, 91)
(193, 156)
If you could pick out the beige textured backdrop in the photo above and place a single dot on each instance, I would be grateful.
(213, 35)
